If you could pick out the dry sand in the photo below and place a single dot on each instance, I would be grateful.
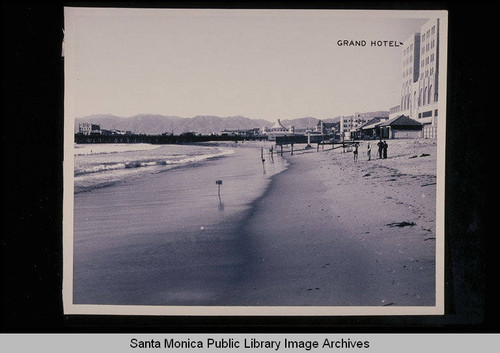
(330, 231)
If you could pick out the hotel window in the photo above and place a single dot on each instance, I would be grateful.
(433, 29)
(432, 44)
(427, 33)
(426, 60)
(432, 57)
(427, 46)
(432, 70)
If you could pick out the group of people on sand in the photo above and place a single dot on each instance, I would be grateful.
(382, 150)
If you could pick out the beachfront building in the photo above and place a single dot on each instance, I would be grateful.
(278, 129)
(410, 75)
(326, 128)
(350, 124)
(419, 78)
(428, 80)
(400, 127)
(89, 129)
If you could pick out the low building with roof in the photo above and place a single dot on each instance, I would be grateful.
(241, 132)
(278, 129)
(400, 127)
(370, 129)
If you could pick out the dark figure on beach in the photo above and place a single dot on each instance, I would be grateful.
(369, 151)
(385, 149)
(380, 145)
(355, 152)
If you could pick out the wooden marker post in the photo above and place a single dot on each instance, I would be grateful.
(219, 183)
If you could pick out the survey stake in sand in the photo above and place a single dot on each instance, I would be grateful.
(221, 204)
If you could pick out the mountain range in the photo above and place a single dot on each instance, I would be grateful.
(159, 124)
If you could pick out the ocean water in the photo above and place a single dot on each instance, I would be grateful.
(99, 165)
(152, 226)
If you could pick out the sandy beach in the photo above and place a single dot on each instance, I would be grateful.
(334, 232)
(326, 232)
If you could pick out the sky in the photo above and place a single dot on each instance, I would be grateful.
(261, 64)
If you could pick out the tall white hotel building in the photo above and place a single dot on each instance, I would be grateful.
(420, 72)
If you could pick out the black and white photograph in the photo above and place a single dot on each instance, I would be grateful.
(254, 162)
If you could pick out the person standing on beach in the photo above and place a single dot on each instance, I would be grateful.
(355, 152)
(380, 145)
(385, 149)
(369, 151)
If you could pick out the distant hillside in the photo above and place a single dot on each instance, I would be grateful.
(159, 124)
